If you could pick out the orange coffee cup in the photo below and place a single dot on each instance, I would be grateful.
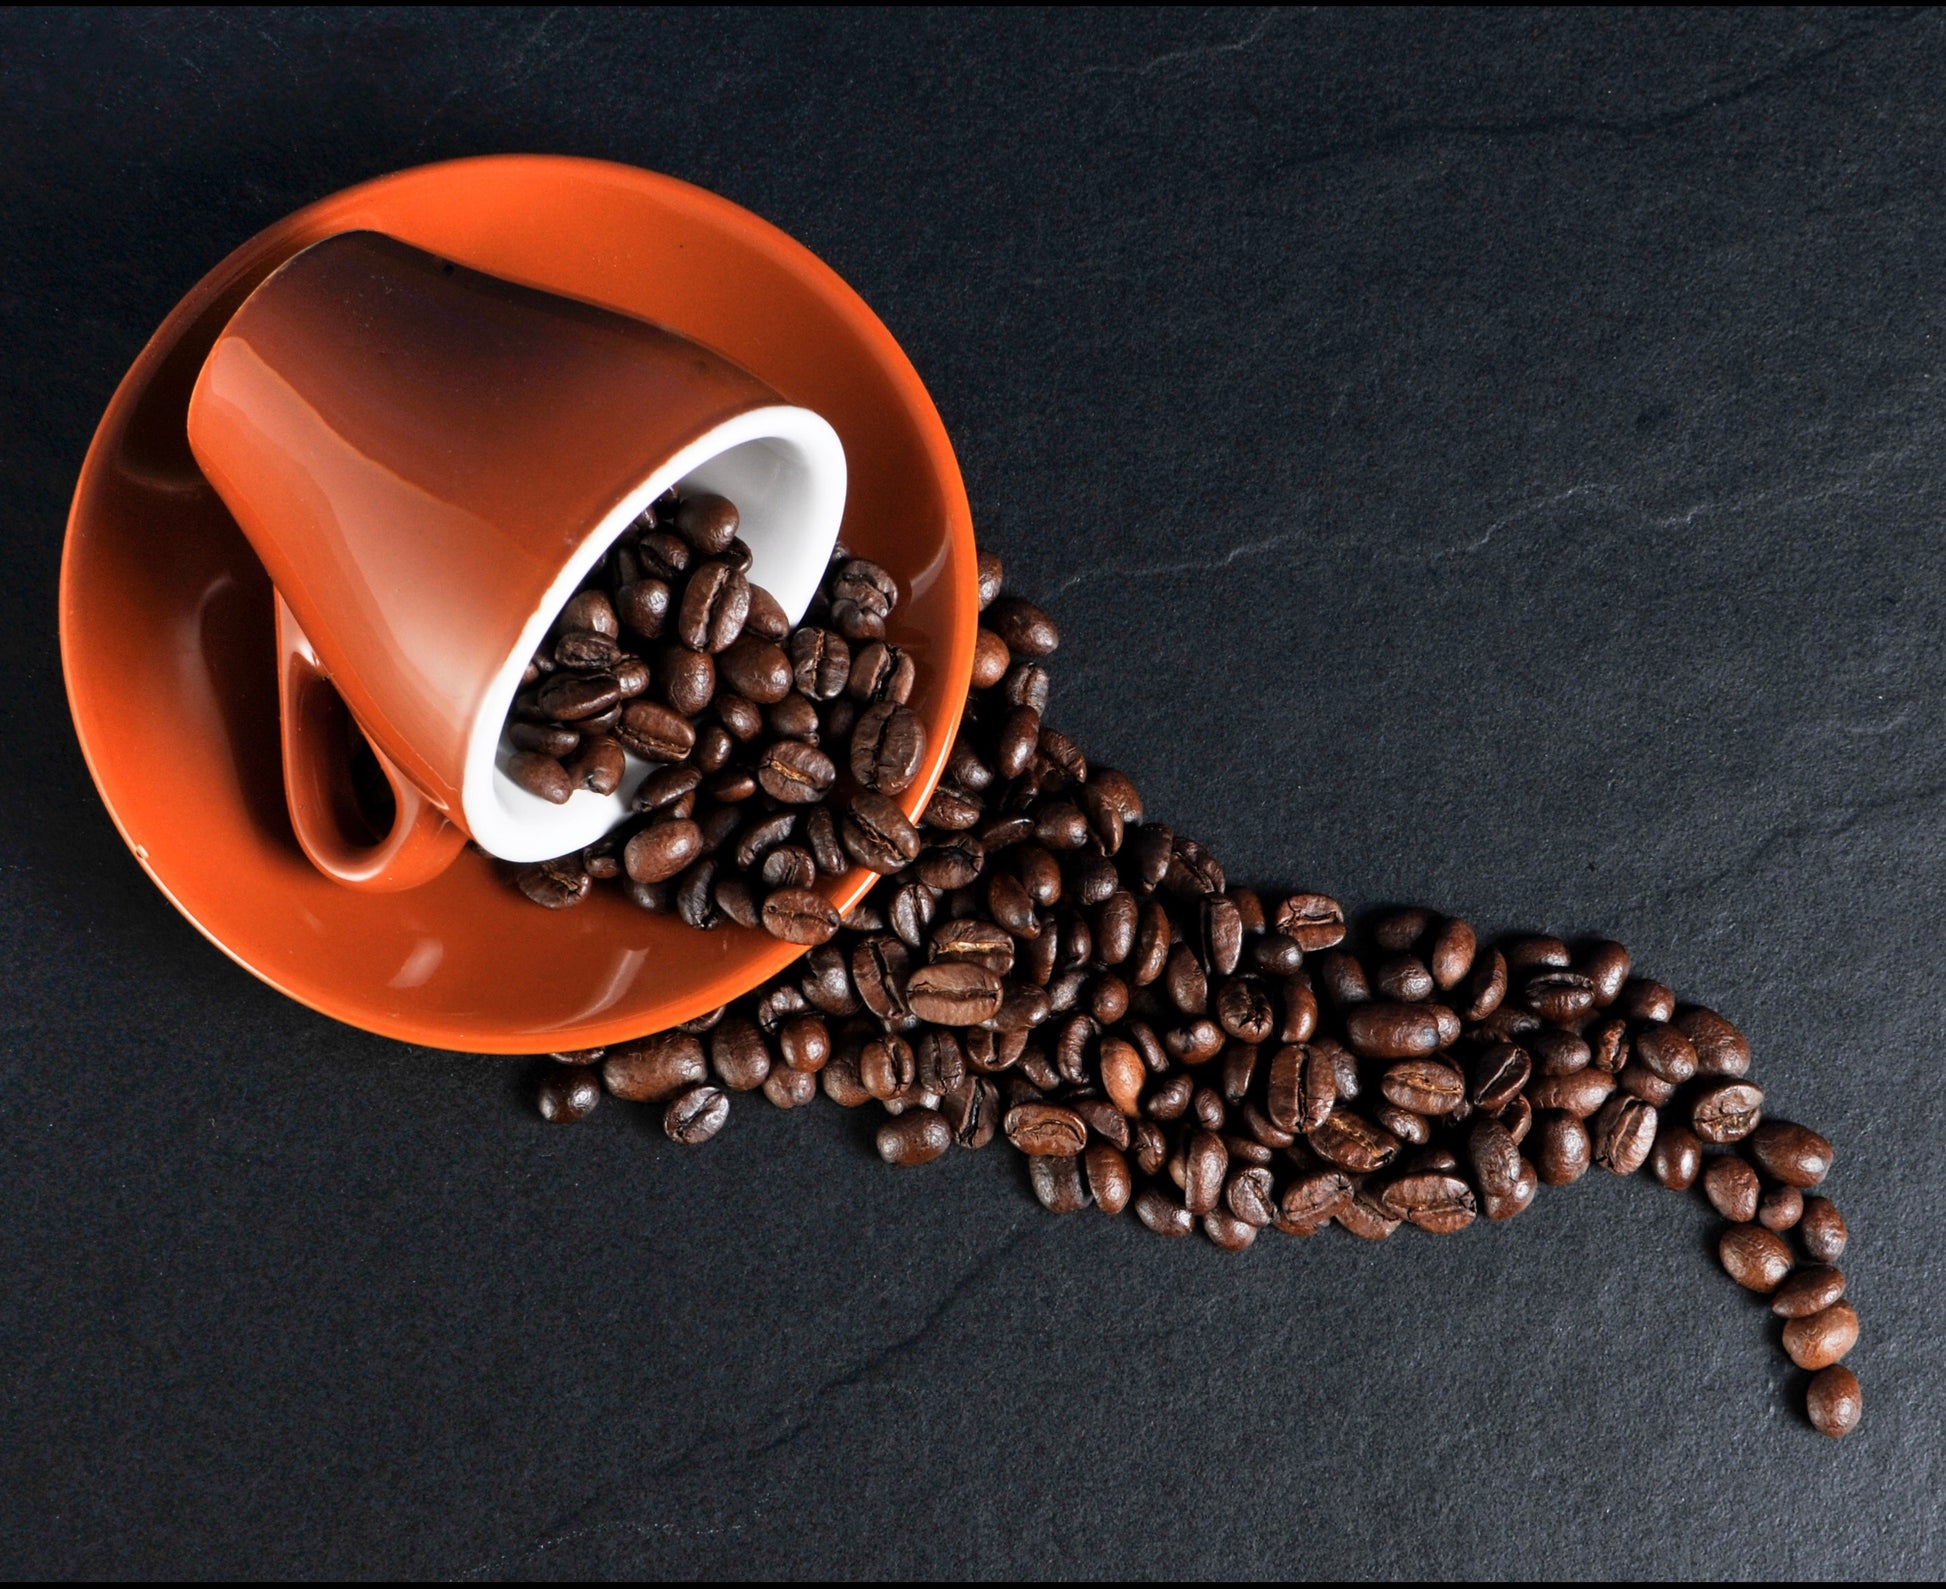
(429, 460)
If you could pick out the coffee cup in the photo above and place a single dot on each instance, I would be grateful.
(429, 461)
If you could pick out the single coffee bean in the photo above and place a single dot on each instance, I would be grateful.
(1834, 1402)
(1020, 736)
(661, 850)
(1505, 1205)
(1424, 1086)
(654, 1069)
(569, 697)
(644, 605)
(1302, 1088)
(887, 746)
(1206, 1164)
(1726, 1111)
(1228, 1232)
(1401, 929)
(578, 1056)
(1105, 1168)
(1404, 978)
(708, 522)
(1780, 1208)
(588, 611)
(1557, 1053)
(1497, 1075)
(1822, 1230)
(1721, 1050)
(1414, 1129)
(567, 1093)
(1353, 1143)
(1045, 1130)
(1665, 1050)
(599, 767)
(820, 662)
(1808, 1291)
(1732, 1188)
(1639, 1081)
(654, 731)
(800, 915)
(715, 603)
(821, 833)
(1163, 1214)
(789, 866)
(1484, 987)
(1437, 1202)
(1622, 1133)
(696, 1115)
(805, 1044)
(1677, 1157)
(1558, 995)
(1755, 1258)
(1644, 1000)
(1562, 1151)
(1391, 1031)
(1028, 631)
(1244, 1011)
(1494, 1158)
(541, 775)
(990, 576)
(767, 616)
(1793, 1154)
(1821, 1339)
(1312, 1201)
(953, 863)
(1183, 978)
(878, 835)
(757, 669)
(1312, 921)
(1450, 954)
(1605, 964)
(1518, 1118)
(1192, 870)
(790, 1089)
(1537, 952)
(991, 659)
(954, 993)
(916, 1136)
(1250, 1194)
(739, 1055)
(795, 772)
(1608, 1046)
(1580, 1093)
(1366, 1215)
(545, 739)
(686, 678)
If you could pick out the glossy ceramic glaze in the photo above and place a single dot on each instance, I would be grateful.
(158, 584)
(427, 459)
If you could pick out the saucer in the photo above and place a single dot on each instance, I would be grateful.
(166, 621)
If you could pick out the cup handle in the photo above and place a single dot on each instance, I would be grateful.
(318, 788)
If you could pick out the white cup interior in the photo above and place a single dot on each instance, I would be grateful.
(784, 468)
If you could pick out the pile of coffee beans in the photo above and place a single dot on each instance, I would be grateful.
(779, 750)
(1041, 964)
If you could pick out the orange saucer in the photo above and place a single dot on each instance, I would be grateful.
(166, 614)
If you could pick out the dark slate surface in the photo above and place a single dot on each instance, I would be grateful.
(1489, 459)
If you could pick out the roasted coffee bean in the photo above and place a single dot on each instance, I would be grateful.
(1518, 1118)
(599, 767)
(1028, 631)
(953, 863)
(1250, 1195)
(1163, 1214)
(1793, 1154)
(1562, 1151)
(1665, 1050)
(1536, 951)
(1300, 1012)
(1407, 1126)
(1342, 978)
(1726, 1111)
(1352, 1143)
(820, 662)
(878, 972)
(715, 603)
(1183, 978)
(795, 772)
(714, 747)
(821, 833)
(767, 616)
(1366, 1215)
(790, 1089)
(789, 866)
(877, 834)
(880, 673)
(1505, 1205)
(756, 669)
(1622, 1133)
(1440, 1203)
(867, 586)
(888, 743)
(1497, 1075)
(696, 895)
(1579, 1094)
(686, 678)
(1558, 995)
(915, 1136)
(1821, 1339)
(1020, 736)
(1721, 1050)
(570, 697)
(805, 1044)
(578, 1056)
(1026, 684)
(654, 731)
(696, 1115)
(1106, 1174)
(1192, 871)
(826, 981)
(1644, 1000)
(799, 915)
(1677, 1157)
(1822, 1230)
(991, 659)
(1449, 956)
(1243, 1011)
(1402, 977)
(541, 775)
(739, 1054)
(661, 850)
(1424, 1086)
(543, 739)
(1780, 1208)
(1640, 1082)
(887, 1067)
(1755, 1258)
(1206, 1164)
(588, 611)
(1494, 1158)
(644, 606)
(1834, 1402)
(1608, 1047)
(663, 555)
(1557, 1053)
(585, 652)
(707, 522)
(1169, 1100)
(1312, 921)
(567, 1093)
(1605, 964)
(1194, 1041)
(1401, 929)
(991, 573)
(654, 1069)
(953, 993)
(1732, 1188)
(1391, 1031)
(1228, 1232)
(1485, 986)
(1046, 1130)
(1808, 1291)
